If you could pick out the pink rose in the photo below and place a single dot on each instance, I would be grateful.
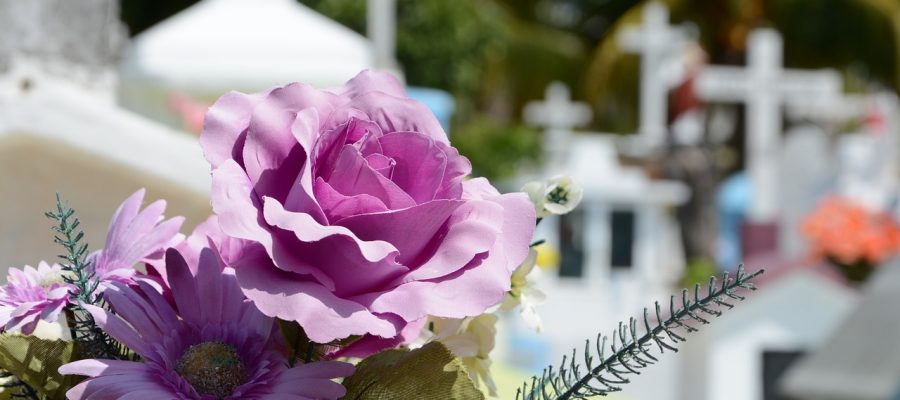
(357, 212)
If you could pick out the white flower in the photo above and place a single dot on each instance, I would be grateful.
(471, 339)
(556, 196)
(524, 294)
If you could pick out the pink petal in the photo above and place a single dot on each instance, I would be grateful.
(368, 345)
(478, 189)
(119, 330)
(372, 81)
(474, 227)
(397, 114)
(338, 206)
(322, 315)
(184, 287)
(124, 214)
(458, 167)
(300, 197)
(353, 176)
(225, 126)
(92, 367)
(476, 288)
(411, 230)
(420, 163)
(307, 380)
(308, 230)
(210, 290)
(232, 202)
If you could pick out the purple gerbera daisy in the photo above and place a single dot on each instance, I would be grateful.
(214, 344)
(31, 295)
(135, 236)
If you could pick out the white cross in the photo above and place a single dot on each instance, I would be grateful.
(659, 45)
(559, 115)
(765, 86)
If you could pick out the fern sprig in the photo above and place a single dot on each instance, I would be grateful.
(79, 272)
(628, 352)
(77, 267)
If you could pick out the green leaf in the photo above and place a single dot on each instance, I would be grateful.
(431, 372)
(36, 362)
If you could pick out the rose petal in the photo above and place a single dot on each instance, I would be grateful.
(473, 229)
(419, 164)
(353, 176)
(411, 230)
(301, 196)
(324, 316)
(395, 114)
(225, 126)
(338, 206)
(372, 81)
(482, 286)
(232, 202)
(368, 345)
(334, 255)
(272, 157)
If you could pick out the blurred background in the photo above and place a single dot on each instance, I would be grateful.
(706, 133)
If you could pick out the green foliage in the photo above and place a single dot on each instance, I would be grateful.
(497, 150)
(628, 352)
(32, 366)
(430, 372)
(79, 272)
(698, 270)
(443, 44)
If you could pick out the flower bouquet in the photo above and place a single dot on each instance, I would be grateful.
(349, 256)
(853, 238)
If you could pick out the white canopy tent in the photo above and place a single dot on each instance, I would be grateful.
(220, 45)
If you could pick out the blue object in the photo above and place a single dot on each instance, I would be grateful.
(438, 101)
(732, 203)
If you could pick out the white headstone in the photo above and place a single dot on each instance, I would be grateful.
(765, 86)
(769, 321)
(660, 46)
(806, 173)
(559, 115)
(864, 174)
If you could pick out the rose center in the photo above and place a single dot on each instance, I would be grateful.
(212, 368)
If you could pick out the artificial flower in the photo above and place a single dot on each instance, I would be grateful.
(206, 235)
(556, 196)
(213, 344)
(357, 212)
(32, 295)
(134, 236)
(471, 339)
(849, 233)
(524, 294)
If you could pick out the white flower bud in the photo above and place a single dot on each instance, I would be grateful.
(557, 196)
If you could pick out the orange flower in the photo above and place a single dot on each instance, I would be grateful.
(846, 232)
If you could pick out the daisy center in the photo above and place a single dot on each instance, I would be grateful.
(212, 368)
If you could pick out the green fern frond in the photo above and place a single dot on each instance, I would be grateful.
(628, 352)
(79, 272)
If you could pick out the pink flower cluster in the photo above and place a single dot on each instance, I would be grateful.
(346, 211)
